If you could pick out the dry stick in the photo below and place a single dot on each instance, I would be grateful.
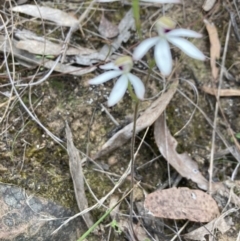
(235, 4)
(217, 107)
(66, 42)
(109, 115)
(166, 144)
(233, 22)
(177, 235)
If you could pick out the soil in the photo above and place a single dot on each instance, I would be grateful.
(32, 160)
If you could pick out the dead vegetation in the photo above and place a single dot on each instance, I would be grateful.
(59, 140)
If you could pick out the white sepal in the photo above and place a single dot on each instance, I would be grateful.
(181, 32)
(102, 78)
(187, 47)
(163, 57)
(138, 85)
(118, 90)
(143, 47)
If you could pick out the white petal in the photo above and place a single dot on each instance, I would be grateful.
(161, 1)
(163, 57)
(187, 47)
(110, 65)
(118, 90)
(143, 47)
(137, 85)
(181, 32)
(104, 77)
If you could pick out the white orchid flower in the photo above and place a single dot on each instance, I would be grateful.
(121, 67)
(167, 33)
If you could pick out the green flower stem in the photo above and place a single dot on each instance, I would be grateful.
(131, 93)
(133, 163)
(95, 224)
(136, 15)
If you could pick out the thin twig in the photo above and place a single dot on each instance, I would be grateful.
(216, 109)
(133, 165)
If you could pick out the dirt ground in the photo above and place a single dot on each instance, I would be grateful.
(31, 159)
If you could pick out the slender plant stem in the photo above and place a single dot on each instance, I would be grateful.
(136, 15)
(131, 93)
(133, 163)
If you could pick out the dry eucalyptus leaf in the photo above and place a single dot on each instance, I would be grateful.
(183, 163)
(50, 48)
(222, 92)
(68, 69)
(182, 203)
(55, 15)
(215, 48)
(75, 165)
(29, 60)
(107, 29)
(222, 223)
(146, 119)
(89, 59)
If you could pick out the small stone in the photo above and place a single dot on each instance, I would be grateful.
(112, 160)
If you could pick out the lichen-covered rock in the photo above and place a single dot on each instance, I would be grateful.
(24, 217)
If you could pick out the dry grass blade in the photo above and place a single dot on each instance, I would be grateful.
(215, 48)
(221, 92)
(146, 119)
(75, 165)
(55, 15)
(183, 163)
(182, 203)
